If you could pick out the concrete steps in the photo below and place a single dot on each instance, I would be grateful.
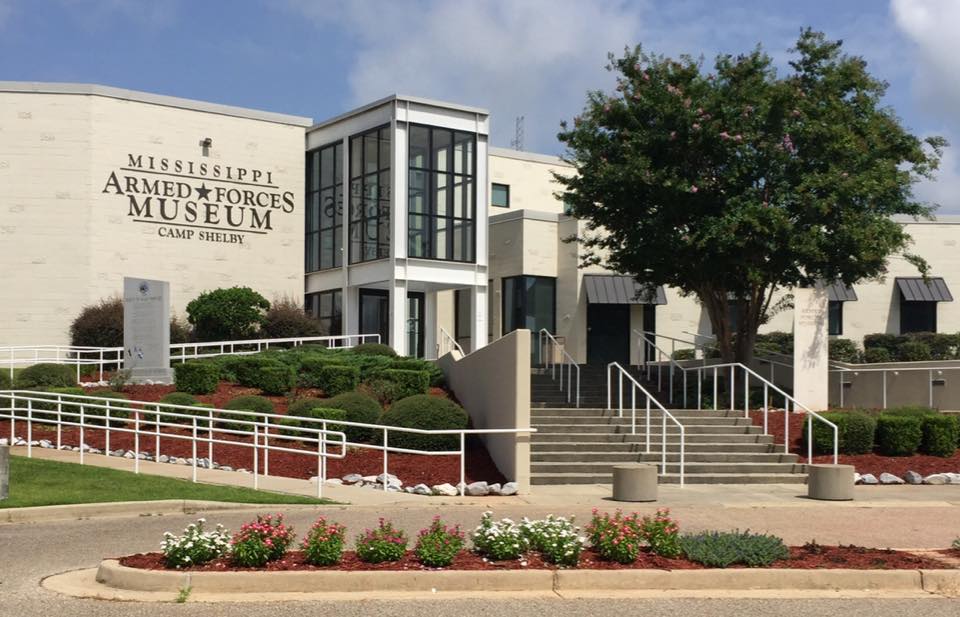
(673, 478)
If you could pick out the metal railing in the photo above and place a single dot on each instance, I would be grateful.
(933, 374)
(646, 344)
(199, 426)
(789, 402)
(548, 346)
(634, 386)
(447, 343)
(105, 357)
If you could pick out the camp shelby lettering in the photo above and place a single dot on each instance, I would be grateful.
(200, 195)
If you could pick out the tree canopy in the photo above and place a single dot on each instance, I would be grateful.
(732, 183)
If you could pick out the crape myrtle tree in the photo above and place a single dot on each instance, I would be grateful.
(733, 183)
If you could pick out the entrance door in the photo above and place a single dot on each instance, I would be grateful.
(416, 302)
(375, 313)
(650, 325)
(608, 334)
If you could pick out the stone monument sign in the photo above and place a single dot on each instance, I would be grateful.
(811, 362)
(146, 330)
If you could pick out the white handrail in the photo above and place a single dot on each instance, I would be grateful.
(673, 364)
(152, 417)
(545, 338)
(447, 343)
(635, 385)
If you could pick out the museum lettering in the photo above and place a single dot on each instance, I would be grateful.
(198, 195)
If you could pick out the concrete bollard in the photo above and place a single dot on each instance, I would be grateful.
(830, 482)
(4, 472)
(635, 482)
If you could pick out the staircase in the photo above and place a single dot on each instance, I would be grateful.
(581, 445)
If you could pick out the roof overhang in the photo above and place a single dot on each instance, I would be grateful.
(620, 289)
(918, 289)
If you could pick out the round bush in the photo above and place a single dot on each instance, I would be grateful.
(46, 376)
(120, 413)
(179, 398)
(248, 402)
(857, 433)
(310, 419)
(359, 408)
(99, 325)
(843, 350)
(68, 405)
(914, 351)
(300, 406)
(374, 349)
(899, 435)
(429, 413)
(287, 319)
(6, 382)
(940, 434)
(276, 379)
(876, 355)
(227, 314)
(383, 390)
(196, 377)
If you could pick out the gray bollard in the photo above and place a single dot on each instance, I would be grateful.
(830, 482)
(635, 482)
(4, 472)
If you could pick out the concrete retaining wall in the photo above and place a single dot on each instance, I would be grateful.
(493, 385)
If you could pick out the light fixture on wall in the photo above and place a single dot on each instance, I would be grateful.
(205, 144)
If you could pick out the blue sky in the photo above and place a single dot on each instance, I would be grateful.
(534, 58)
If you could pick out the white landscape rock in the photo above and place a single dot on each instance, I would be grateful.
(334, 481)
(857, 478)
(420, 489)
(889, 478)
(226, 468)
(493, 489)
(445, 489)
(352, 478)
(3, 441)
(163, 458)
(936, 478)
(477, 489)
(913, 477)
(129, 454)
(869, 478)
(952, 478)
(370, 479)
(510, 488)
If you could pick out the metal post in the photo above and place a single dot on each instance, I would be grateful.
(620, 387)
(193, 443)
(786, 430)
(746, 393)
(320, 458)
(156, 432)
(930, 384)
(60, 422)
(608, 388)
(30, 429)
(266, 447)
(385, 454)
(884, 389)
(633, 409)
(765, 408)
(463, 466)
(663, 436)
(256, 457)
(107, 431)
(714, 388)
(82, 422)
(733, 373)
(647, 451)
(136, 441)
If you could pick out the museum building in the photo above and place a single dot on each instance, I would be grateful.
(396, 218)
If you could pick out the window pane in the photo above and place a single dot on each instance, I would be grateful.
(500, 195)
(441, 150)
(356, 157)
(326, 249)
(356, 200)
(458, 244)
(440, 250)
(835, 318)
(416, 192)
(328, 208)
(313, 179)
(311, 252)
(419, 146)
(337, 244)
(313, 212)
(385, 148)
(356, 242)
(370, 153)
(458, 198)
(440, 195)
(326, 167)
(338, 163)
(463, 153)
(416, 236)
(338, 205)
(370, 240)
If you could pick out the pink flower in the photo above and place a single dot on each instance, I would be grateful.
(693, 188)
(795, 113)
(724, 135)
(696, 126)
(646, 76)
(673, 135)
(687, 102)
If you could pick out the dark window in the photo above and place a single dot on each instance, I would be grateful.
(835, 318)
(500, 195)
(441, 194)
(370, 195)
(375, 313)
(918, 317)
(462, 317)
(324, 217)
(529, 302)
(327, 307)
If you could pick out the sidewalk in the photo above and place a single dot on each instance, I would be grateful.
(880, 516)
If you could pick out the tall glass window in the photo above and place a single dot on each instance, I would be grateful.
(835, 318)
(441, 194)
(327, 307)
(529, 302)
(370, 195)
(324, 222)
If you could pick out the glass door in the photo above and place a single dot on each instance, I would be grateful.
(375, 313)
(415, 328)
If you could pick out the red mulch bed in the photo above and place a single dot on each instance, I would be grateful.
(410, 468)
(924, 464)
(806, 557)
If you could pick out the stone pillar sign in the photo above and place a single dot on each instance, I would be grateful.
(811, 367)
(146, 330)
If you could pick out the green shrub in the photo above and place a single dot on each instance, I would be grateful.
(359, 408)
(428, 413)
(913, 351)
(298, 406)
(247, 368)
(910, 410)
(876, 355)
(46, 376)
(684, 354)
(374, 349)
(286, 319)
(723, 549)
(940, 434)
(334, 379)
(311, 419)
(843, 350)
(227, 314)
(383, 390)
(310, 368)
(196, 377)
(180, 331)
(229, 366)
(776, 342)
(179, 398)
(410, 383)
(249, 402)
(942, 346)
(899, 435)
(120, 413)
(51, 405)
(6, 382)
(99, 325)
(881, 340)
(276, 379)
(855, 433)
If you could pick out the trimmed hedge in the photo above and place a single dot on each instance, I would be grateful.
(52, 405)
(409, 383)
(940, 435)
(276, 379)
(249, 402)
(843, 350)
(6, 382)
(374, 349)
(310, 418)
(196, 377)
(179, 398)
(359, 408)
(855, 433)
(914, 351)
(437, 378)
(300, 406)
(120, 413)
(46, 375)
(899, 435)
(383, 390)
(429, 413)
(335, 379)
(876, 355)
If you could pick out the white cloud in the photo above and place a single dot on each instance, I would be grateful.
(535, 58)
(932, 25)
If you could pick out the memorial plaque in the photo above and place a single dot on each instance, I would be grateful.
(146, 330)
(811, 362)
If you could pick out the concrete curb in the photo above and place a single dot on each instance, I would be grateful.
(40, 514)
(941, 582)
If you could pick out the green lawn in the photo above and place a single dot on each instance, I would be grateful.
(36, 482)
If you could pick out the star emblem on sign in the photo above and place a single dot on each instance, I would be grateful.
(203, 192)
